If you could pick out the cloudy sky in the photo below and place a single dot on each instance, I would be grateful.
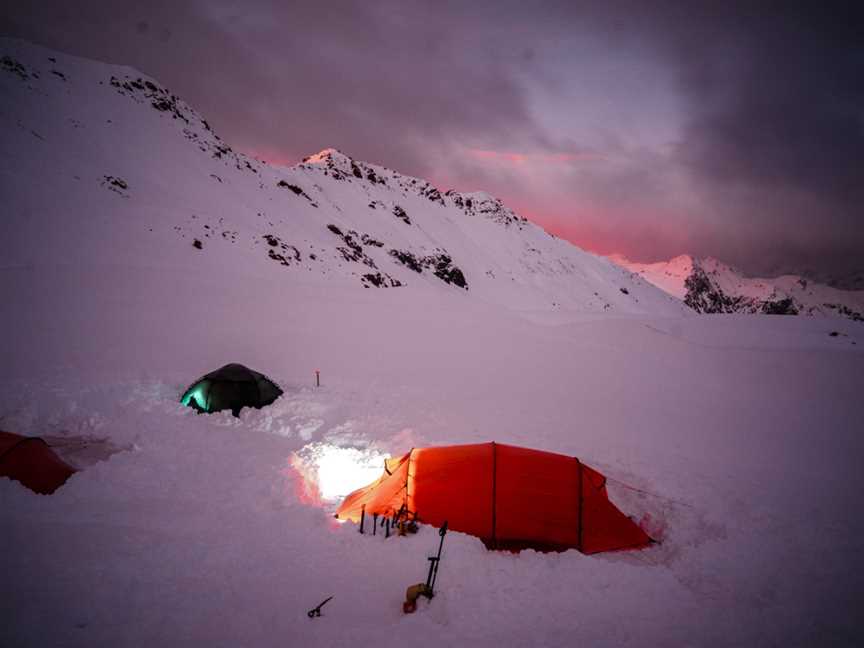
(731, 129)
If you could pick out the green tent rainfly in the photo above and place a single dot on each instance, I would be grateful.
(231, 387)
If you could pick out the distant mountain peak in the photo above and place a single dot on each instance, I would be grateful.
(709, 285)
(325, 155)
(341, 166)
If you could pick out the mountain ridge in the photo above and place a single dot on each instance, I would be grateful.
(136, 173)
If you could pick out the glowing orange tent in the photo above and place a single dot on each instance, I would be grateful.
(30, 461)
(510, 497)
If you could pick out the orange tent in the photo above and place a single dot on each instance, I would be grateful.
(509, 497)
(33, 463)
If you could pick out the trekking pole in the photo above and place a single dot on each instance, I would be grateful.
(362, 517)
(374, 524)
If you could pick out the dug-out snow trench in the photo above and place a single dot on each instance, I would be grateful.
(328, 471)
(338, 450)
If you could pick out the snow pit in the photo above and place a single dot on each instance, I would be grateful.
(330, 472)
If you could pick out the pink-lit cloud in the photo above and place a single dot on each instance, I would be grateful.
(513, 157)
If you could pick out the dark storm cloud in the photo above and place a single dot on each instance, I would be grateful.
(765, 170)
(288, 79)
(774, 136)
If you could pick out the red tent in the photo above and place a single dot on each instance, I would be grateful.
(33, 463)
(510, 497)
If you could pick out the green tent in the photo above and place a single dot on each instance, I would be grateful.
(231, 387)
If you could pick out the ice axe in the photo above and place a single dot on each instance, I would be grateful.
(316, 611)
(426, 589)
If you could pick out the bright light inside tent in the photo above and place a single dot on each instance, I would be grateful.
(337, 471)
(198, 395)
(343, 470)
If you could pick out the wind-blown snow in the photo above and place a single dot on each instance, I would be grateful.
(734, 439)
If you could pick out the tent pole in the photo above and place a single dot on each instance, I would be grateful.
(494, 485)
(580, 500)
(408, 476)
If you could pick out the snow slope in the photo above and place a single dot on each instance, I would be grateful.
(711, 286)
(157, 180)
(735, 439)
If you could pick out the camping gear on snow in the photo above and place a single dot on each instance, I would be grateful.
(406, 525)
(316, 611)
(31, 461)
(510, 497)
(412, 594)
(426, 589)
(399, 521)
(231, 387)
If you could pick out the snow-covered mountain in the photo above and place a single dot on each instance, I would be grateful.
(711, 286)
(110, 139)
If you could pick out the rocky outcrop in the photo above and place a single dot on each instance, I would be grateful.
(440, 263)
(705, 296)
